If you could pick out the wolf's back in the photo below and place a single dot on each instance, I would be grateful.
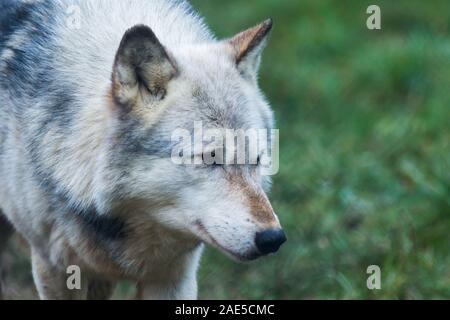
(26, 51)
(16, 14)
(9, 12)
(8, 9)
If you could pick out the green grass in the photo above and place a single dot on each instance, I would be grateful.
(365, 150)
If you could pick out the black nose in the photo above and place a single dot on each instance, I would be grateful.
(270, 241)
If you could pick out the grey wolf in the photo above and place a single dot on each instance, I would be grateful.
(86, 116)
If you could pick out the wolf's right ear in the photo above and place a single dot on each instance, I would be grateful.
(142, 68)
(247, 48)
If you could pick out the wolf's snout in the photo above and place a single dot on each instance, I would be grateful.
(269, 241)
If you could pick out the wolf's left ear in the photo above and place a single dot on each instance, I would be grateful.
(247, 47)
(142, 68)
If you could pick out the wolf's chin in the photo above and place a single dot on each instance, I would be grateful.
(206, 237)
(238, 257)
(247, 257)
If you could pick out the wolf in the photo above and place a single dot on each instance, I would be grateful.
(90, 92)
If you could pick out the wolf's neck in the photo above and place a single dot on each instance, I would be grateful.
(76, 161)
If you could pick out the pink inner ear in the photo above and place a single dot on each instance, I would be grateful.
(246, 41)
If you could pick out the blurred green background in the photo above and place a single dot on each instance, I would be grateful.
(365, 152)
(364, 178)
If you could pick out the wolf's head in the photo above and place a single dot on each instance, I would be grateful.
(157, 92)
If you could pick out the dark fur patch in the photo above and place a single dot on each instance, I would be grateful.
(13, 15)
(34, 20)
(6, 230)
(105, 228)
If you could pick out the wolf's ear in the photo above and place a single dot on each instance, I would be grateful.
(247, 47)
(142, 68)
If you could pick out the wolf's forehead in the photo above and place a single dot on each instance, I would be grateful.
(216, 89)
(215, 93)
(221, 108)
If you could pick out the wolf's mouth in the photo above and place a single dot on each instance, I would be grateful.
(252, 255)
